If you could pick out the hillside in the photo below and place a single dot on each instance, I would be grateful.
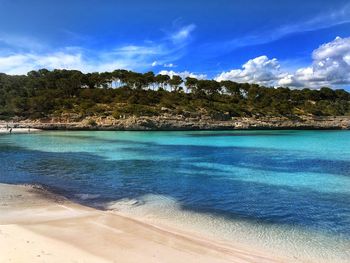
(74, 97)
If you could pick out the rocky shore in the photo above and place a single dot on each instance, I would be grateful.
(169, 123)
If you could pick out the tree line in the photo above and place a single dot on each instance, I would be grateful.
(45, 93)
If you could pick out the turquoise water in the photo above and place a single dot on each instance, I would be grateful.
(279, 189)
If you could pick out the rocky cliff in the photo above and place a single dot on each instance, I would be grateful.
(184, 123)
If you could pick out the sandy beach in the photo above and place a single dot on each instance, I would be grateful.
(38, 226)
(4, 130)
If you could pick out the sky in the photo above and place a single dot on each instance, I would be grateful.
(293, 43)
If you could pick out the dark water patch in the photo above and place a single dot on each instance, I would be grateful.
(238, 134)
(91, 139)
(258, 158)
(309, 165)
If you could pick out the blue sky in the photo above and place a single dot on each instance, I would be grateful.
(268, 42)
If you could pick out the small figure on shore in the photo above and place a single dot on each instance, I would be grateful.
(28, 129)
(10, 130)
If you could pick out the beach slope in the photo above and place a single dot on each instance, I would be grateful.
(38, 226)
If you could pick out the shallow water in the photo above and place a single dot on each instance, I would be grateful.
(280, 190)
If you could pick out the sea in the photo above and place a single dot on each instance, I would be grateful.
(282, 191)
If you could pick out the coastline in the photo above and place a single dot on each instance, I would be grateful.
(181, 123)
(18, 130)
(36, 226)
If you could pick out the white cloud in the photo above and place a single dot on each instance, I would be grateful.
(170, 65)
(330, 67)
(289, 80)
(183, 74)
(132, 57)
(135, 50)
(183, 34)
(75, 59)
(22, 63)
(165, 65)
(260, 70)
(19, 42)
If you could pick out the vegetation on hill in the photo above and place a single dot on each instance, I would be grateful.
(45, 93)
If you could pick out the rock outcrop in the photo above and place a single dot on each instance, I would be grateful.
(169, 122)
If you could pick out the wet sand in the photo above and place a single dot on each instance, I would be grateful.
(38, 226)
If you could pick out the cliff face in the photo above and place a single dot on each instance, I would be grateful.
(185, 123)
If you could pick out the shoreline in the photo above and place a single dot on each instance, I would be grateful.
(19, 130)
(37, 225)
(181, 123)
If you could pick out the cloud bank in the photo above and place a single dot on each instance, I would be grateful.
(330, 67)
(261, 70)
(330, 62)
(162, 52)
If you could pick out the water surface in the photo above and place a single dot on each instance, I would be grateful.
(285, 190)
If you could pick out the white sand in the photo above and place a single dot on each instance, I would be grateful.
(36, 226)
(3, 130)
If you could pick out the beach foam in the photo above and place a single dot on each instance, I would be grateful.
(280, 241)
(87, 196)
